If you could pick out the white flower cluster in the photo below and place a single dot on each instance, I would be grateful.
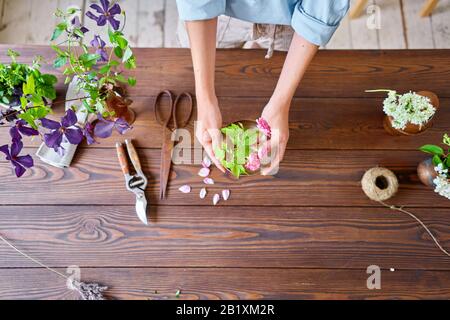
(409, 107)
(442, 182)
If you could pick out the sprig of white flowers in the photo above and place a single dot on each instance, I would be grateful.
(407, 108)
(442, 182)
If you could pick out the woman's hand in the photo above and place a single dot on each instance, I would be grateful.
(277, 115)
(209, 123)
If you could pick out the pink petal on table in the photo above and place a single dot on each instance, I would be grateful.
(216, 199)
(225, 194)
(206, 163)
(203, 193)
(208, 181)
(204, 172)
(185, 188)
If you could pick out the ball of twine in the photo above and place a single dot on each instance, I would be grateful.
(379, 184)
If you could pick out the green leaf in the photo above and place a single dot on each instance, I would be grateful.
(121, 78)
(127, 55)
(436, 160)
(60, 62)
(118, 52)
(49, 79)
(122, 42)
(29, 86)
(56, 33)
(132, 81)
(432, 149)
(131, 63)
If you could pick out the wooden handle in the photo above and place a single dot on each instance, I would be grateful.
(133, 156)
(122, 158)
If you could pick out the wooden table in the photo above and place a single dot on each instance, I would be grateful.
(309, 232)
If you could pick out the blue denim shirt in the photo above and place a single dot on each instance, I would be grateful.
(314, 20)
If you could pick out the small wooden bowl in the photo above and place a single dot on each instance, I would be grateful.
(426, 172)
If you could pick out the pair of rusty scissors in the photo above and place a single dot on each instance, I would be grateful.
(169, 129)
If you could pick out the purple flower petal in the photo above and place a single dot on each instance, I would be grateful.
(101, 21)
(103, 128)
(26, 161)
(92, 16)
(97, 8)
(18, 169)
(69, 119)
(74, 135)
(121, 125)
(16, 147)
(50, 124)
(185, 189)
(28, 131)
(14, 133)
(53, 139)
(103, 54)
(5, 150)
(114, 23)
(105, 5)
(88, 132)
(115, 9)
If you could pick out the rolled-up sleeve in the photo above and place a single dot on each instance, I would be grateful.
(316, 21)
(189, 10)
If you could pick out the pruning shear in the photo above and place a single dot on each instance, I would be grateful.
(137, 182)
(169, 129)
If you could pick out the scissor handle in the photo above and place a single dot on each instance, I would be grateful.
(186, 118)
(122, 158)
(133, 156)
(163, 122)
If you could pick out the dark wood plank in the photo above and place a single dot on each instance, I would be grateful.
(341, 73)
(224, 237)
(232, 284)
(306, 178)
(338, 123)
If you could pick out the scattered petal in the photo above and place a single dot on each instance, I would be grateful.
(392, 269)
(225, 194)
(185, 188)
(216, 198)
(208, 181)
(203, 193)
(204, 172)
(206, 163)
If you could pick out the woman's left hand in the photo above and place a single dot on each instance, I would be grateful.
(277, 115)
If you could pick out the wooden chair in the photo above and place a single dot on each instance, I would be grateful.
(359, 6)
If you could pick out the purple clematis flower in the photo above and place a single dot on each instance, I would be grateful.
(19, 163)
(104, 128)
(66, 130)
(99, 45)
(76, 23)
(20, 128)
(106, 14)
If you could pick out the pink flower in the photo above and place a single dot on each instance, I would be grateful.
(264, 127)
(253, 162)
(263, 151)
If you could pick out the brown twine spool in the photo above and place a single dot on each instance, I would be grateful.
(380, 184)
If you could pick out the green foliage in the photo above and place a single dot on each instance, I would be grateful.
(24, 87)
(439, 154)
(235, 150)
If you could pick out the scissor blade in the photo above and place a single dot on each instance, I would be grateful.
(141, 208)
(166, 161)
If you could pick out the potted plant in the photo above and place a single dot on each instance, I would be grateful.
(409, 113)
(26, 93)
(97, 72)
(243, 151)
(435, 170)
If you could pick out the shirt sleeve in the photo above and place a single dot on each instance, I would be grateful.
(190, 10)
(316, 21)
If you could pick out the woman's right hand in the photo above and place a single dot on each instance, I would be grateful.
(209, 123)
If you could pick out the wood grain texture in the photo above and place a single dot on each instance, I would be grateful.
(417, 29)
(205, 283)
(245, 73)
(305, 178)
(325, 123)
(98, 236)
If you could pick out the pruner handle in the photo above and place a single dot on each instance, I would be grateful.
(133, 156)
(122, 158)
